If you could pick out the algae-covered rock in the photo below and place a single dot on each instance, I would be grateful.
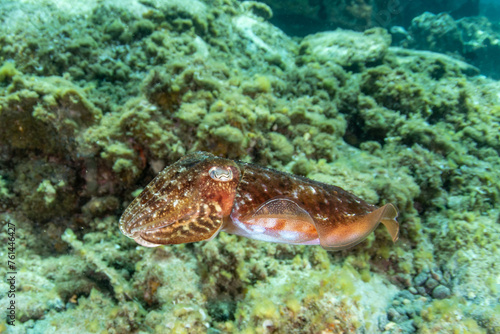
(437, 33)
(45, 114)
(37, 295)
(281, 303)
(474, 39)
(91, 314)
(261, 37)
(44, 190)
(163, 279)
(258, 9)
(481, 39)
(346, 48)
(282, 147)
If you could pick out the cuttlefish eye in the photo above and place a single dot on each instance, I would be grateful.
(222, 174)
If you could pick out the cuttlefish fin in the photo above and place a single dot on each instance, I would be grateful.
(282, 207)
(389, 215)
(283, 220)
(352, 232)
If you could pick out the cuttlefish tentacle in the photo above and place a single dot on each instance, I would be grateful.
(204, 223)
(200, 195)
(182, 204)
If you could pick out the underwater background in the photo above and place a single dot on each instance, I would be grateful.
(395, 101)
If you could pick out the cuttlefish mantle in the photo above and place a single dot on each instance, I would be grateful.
(201, 194)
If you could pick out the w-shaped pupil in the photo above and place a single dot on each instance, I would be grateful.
(221, 174)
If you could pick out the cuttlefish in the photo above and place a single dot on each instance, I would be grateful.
(201, 194)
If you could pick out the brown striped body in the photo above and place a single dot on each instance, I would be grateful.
(200, 195)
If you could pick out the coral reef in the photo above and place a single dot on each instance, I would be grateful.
(473, 39)
(97, 97)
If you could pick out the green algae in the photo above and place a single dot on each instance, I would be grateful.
(7, 72)
(448, 315)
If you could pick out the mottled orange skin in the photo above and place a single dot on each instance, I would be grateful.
(200, 195)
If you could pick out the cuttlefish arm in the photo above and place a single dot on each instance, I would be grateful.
(200, 195)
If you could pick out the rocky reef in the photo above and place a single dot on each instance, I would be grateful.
(302, 17)
(451, 27)
(96, 98)
(473, 39)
